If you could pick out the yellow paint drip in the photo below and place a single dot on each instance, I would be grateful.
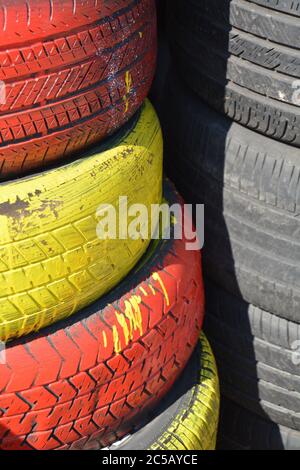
(45, 215)
(104, 339)
(128, 84)
(134, 314)
(116, 340)
(131, 314)
(157, 277)
(128, 81)
(122, 321)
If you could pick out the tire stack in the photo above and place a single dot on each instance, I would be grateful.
(96, 330)
(232, 127)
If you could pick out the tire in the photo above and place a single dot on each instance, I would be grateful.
(242, 430)
(52, 261)
(70, 84)
(257, 357)
(250, 187)
(187, 418)
(243, 60)
(86, 378)
(161, 6)
(287, 6)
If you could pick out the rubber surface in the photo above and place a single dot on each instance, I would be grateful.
(187, 418)
(258, 357)
(250, 187)
(52, 262)
(70, 83)
(242, 59)
(242, 430)
(86, 378)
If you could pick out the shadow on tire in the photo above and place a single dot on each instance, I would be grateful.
(196, 159)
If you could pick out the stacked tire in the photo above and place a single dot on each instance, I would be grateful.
(231, 121)
(72, 74)
(187, 418)
(94, 330)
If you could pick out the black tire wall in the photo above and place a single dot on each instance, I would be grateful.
(243, 59)
(250, 186)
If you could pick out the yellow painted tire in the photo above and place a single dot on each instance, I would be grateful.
(188, 418)
(51, 261)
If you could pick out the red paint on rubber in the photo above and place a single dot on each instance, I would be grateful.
(67, 386)
(70, 80)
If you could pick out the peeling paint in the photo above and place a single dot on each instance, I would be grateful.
(151, 288)
(104, 339)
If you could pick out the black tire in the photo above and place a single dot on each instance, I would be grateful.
(242, 59)
(291, 7)
(243, 430)
(257, 355)
(251, 188)
(89, 376)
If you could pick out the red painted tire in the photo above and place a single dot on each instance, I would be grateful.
(86, 379)
(72, 72)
